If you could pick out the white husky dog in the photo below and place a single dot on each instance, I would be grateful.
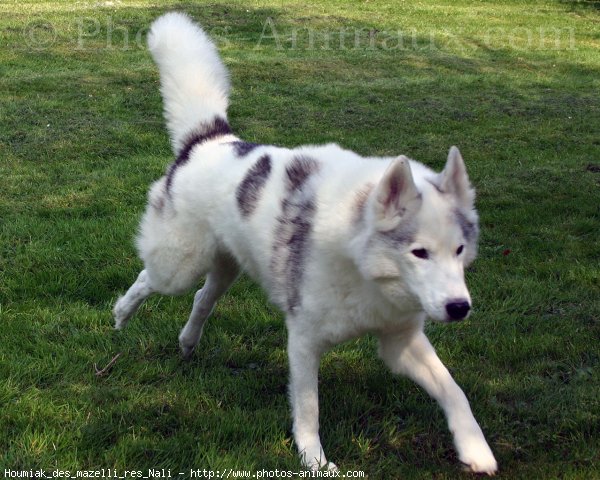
(344, 245)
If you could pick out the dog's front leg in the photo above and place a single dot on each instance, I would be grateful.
(304, 357)
(413, 356)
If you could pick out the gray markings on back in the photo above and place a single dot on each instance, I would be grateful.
(293, 230)
(243, 148)
(249, 190)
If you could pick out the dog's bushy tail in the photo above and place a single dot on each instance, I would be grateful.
(194, 81)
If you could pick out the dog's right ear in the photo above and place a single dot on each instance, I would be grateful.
(395, 195)
(455, 181)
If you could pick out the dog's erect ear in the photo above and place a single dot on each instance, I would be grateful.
(395, 194)
(455, 181)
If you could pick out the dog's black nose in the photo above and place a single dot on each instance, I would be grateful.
(457, 309)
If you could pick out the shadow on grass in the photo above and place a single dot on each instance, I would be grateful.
(580, 4)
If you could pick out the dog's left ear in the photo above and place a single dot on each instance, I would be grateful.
(455, 181)
(395, 195)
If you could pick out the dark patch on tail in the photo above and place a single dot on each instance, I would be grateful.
(207, 131)
(243, 148)
(294, 228)
(249, 190)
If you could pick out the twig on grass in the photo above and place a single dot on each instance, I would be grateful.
(100, 373)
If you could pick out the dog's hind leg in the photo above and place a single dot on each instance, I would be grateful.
(222, 274)
(128, 304)
(413, 356)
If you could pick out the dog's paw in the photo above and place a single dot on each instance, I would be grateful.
(186, 351)
(187, 344)
(478, 458)
(120, 314)
(322, 467)
(316, 462)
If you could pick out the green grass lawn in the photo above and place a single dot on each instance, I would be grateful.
(514, 83)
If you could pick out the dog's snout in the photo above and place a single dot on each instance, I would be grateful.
(457, 309)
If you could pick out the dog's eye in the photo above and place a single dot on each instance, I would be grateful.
(420, 253)
(459, 250)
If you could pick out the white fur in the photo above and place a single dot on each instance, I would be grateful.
(194, 81)
(354, 278)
